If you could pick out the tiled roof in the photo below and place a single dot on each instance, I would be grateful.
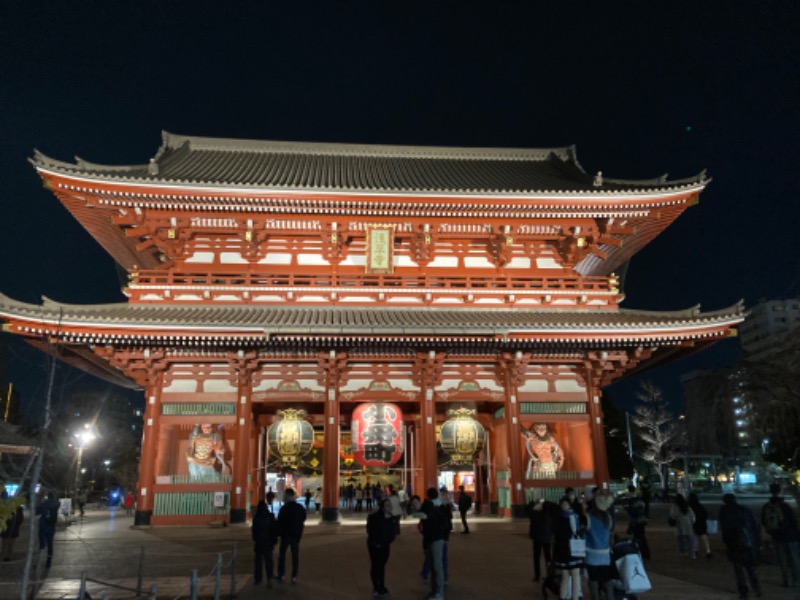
(297, 166)
(211, 321)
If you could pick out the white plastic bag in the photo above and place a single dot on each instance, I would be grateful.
(632, 573)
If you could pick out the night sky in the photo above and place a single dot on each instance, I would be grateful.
(641, 88)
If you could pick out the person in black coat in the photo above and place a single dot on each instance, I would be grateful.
(700, 524)
(381, 531)
(264, 538)
(291, 521)
(741, 534)
(541, 514)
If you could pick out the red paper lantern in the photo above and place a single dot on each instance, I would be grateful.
(377, 434)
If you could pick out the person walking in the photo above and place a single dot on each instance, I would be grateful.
(128, 502)
(637, 521)
(264, 536)
(600, 526)
(646, 490)
(700, 526)
(11, 532)
(541, 514)
(683, 518)
(318, 499)
(780, 522)
(47, 512)
(741, 535)
(568, 526)
(396, 507)
(359, 498)
(464, 504)
(381, 531)
(291, 521)
(434, 537)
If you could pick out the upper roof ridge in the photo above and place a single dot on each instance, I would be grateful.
(175, 141)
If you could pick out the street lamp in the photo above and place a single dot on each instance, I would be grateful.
(82, 439)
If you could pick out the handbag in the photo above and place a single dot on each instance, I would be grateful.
(712, 526)
(577, 547)
(632, 573)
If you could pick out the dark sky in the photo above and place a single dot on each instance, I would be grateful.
(642, 88)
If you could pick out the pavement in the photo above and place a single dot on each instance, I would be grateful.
(492, 562)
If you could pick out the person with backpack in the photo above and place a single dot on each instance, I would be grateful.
(264, 534)
(48, 519)
(464, 504)
(599, 526)
(741, 535)
(780, 522)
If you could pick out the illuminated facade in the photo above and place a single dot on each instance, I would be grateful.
(274, 276)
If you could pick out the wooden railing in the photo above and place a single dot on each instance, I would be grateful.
(157, 278)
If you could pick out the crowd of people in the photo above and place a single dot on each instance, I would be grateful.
(573, 539)
(555, 527)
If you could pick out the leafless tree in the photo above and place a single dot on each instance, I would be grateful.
(660, 433)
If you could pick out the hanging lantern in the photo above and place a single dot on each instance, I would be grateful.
(376, 433)
(291, 437)
(462, 437)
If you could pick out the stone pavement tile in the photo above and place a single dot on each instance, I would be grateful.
(492, 563)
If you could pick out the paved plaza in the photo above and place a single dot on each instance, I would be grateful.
(492, 562)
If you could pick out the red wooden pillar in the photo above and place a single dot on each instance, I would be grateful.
(427, 441)
(331, 428)
(240, 492)
(599, 454)
(514, 368)
(145, 500)
(426, 367)
(257, 474)
(494, 499)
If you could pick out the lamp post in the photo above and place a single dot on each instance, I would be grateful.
(82, 439)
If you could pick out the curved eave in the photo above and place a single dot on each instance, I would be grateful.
(141, 190)
(123, 324)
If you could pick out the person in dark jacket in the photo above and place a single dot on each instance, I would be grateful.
(11, 532)
(637, 521)
(646, 490)
(381, 531)
(464, 504)
(541, 514)
(780, 522)
(48, 519)
(264, 537)
(291, 521)
(435, 533)
(742, 537)
(700, 525)
(568, 525)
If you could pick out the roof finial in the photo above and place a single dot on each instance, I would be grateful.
(152, 168)
(598, 179)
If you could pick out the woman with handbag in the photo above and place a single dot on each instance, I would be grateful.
(683, 517)
(700, 522)
(569, 549)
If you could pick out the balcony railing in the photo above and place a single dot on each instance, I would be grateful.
(156, 285)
